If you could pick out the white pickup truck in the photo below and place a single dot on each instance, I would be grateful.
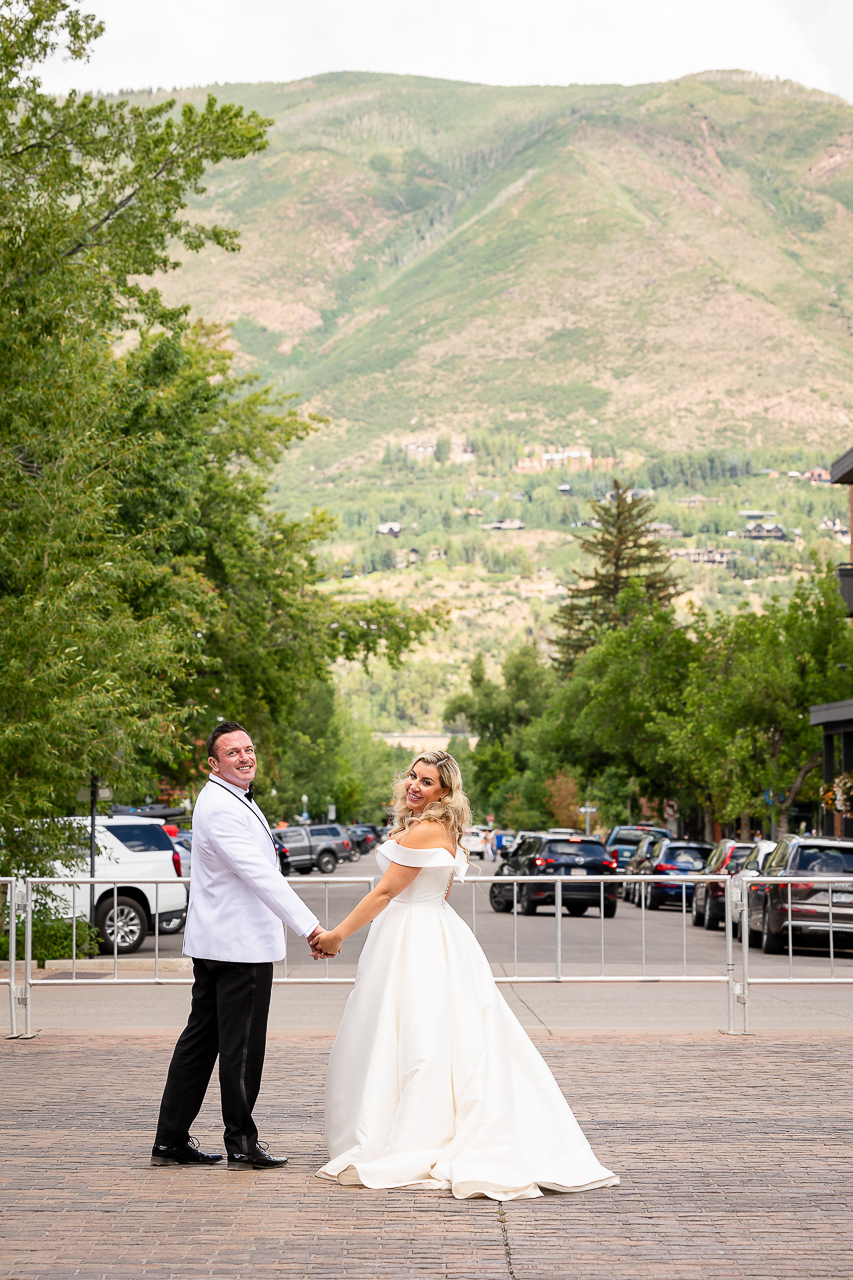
(133, 851)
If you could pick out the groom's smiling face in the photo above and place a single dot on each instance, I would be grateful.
(235, 759)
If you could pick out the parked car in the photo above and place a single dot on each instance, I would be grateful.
(134, 851)
(675, 859)
(304, 848)
(708, 908)
(767, 904)
(573, 857)
(516, 841)
(626, 840)
(475, 840)
(634, 867)
(362, 837)
(183, 845)
(757, 860)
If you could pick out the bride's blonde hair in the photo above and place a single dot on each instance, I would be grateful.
(453, 811)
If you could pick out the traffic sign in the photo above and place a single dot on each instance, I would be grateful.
(588, 808)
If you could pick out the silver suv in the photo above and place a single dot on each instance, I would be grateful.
(304, 848)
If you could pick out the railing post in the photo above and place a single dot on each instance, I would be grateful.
(28, 964)
(730, 956)
(744, 951)
(12, 900)
(558, 913)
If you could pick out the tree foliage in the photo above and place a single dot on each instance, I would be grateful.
(144, 585)
(624, 551)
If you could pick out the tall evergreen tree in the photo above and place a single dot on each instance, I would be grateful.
(624, 551)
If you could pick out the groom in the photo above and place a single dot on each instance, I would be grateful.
(234, 932)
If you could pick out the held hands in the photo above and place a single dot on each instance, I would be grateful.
(324, 945)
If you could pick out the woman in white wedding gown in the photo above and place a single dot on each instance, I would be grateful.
(432, 1080)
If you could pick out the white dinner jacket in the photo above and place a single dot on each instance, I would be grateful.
(238, 896)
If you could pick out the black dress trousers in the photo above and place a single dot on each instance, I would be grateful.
(228, 1019)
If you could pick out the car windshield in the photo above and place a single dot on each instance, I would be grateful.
(141, 837)
(690, 859)
(823, 862)
(562, 848)
(628, 839)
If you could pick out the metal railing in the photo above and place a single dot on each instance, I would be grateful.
(741, 891)
(734, 905)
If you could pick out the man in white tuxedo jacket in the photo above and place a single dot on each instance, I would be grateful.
(234, 933)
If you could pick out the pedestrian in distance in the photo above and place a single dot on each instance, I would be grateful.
(234, 933)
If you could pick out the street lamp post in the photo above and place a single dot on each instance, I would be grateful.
(586, 810)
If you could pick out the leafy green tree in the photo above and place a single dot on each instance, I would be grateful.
(141, 575)
(625, 551)
(499, 713)
(746, 703)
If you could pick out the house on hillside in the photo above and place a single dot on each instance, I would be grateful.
(772, 529)
(503, 525)
(818, 475)
(704, 555)
(391, 529)
(660, 529)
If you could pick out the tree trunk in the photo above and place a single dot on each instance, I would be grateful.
(709, 825)
(746, 827)
(782, 821)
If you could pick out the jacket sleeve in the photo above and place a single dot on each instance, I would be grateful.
(237, 848)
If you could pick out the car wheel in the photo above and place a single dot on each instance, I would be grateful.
(753, 936)
(576, 908)
(354, 854)
(124, 918)
(610, 909)
(173, 925)
(710, 921)
(526, 905)
(771, 943)
(326, 863)
(636, 895)
(499, 899)
(695, 918)
(304, 871)
(652, 902)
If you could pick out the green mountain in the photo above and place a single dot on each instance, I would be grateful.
(460, 276)
(651, 268)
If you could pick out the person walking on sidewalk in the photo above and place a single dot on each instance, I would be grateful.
(234, 933)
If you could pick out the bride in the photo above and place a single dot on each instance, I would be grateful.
(432, 1081)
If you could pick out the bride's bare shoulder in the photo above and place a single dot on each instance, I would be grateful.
(424, 835)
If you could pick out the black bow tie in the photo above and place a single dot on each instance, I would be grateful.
(250, 794)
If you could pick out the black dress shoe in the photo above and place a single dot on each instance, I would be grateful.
(259, 1159)
(187, 1153)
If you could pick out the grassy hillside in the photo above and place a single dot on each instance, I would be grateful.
(659, 267)
(461, 276)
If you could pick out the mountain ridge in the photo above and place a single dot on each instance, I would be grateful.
(655, 267)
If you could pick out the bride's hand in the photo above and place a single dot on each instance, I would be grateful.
(326, 944)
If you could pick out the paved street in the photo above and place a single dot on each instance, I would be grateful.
(733, 1154)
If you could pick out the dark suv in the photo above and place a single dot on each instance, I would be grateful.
(767, 904)
(573, 857)
(676, 858)
(624, 841)
(304, 848)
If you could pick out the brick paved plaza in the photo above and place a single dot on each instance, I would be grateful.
(734, 1156)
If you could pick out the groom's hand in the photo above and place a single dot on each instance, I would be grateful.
(312, 940)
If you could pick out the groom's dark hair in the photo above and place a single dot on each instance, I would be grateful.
(225, 726)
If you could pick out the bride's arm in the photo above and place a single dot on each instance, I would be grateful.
(395, 880)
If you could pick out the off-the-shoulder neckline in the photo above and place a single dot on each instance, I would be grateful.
(438, 848)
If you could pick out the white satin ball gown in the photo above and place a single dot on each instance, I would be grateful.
(432, 1080)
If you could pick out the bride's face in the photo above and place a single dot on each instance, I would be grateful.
(423, 786)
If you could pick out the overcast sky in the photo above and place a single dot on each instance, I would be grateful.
(174, 43)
